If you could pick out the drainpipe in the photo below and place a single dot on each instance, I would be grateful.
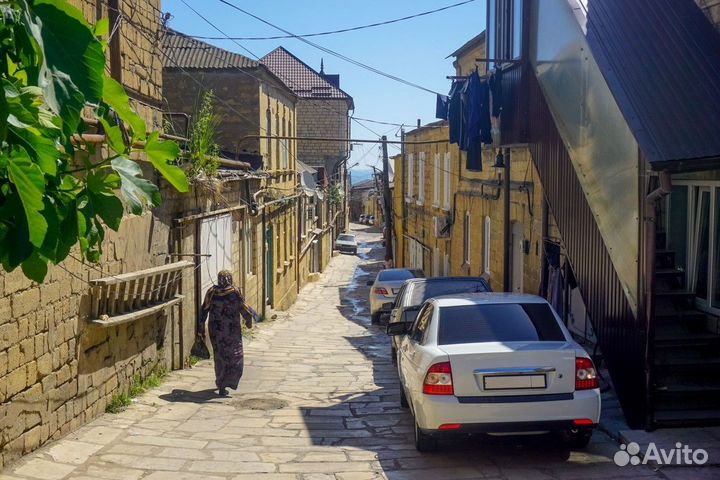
(650, 217)
(507, 283)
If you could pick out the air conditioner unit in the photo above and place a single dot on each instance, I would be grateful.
(441, 226)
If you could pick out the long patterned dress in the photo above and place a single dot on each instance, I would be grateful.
(225, 306)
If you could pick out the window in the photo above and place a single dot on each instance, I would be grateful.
(505, 22)
(268, 132)
(486, 246)
(436, 181)
(248, 244)
(505, 322)
(435, 288)
(466, 239)
(517, 29)
(277, 140)
(422, 322)
(285, 145)
(446, 190)
(421, 178)
(291, 143)
(410, 177)
(395, 275)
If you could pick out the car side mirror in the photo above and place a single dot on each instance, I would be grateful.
(397, 329)
(369, 283)
(387, 306)
(409, 315)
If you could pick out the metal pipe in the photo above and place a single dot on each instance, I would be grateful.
(507, 261)
(650, 221)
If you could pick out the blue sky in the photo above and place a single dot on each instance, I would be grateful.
(414, 49)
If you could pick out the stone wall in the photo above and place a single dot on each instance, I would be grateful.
(237, 104)
(322, 118)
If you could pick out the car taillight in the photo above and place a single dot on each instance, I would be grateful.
(438, 380)
(380, 291)
(585, 374)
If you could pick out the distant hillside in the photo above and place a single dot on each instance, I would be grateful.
(360, 175)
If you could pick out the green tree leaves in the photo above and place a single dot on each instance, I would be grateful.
(161, 154)
(28, 179)
(137, 191)
(56, 190)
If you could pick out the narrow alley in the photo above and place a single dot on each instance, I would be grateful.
(319, 401)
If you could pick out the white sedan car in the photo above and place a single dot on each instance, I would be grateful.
(385, 287)
(495, 363)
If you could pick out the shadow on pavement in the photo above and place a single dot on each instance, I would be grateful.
(187, 396)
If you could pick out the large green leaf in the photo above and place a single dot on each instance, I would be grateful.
(109, 208)
(137, 191)
(30, 184)
(35, 268)
(161, 154)
(45, 149)
(116, 98)
(114, 136)
(71, 46)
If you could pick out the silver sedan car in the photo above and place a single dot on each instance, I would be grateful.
(385, 287)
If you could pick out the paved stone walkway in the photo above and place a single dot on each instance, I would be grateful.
(319, 401)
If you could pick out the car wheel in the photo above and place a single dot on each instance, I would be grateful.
(375, 318)
(576, 439)
(403, 398)
(355, 252)
(393, 356)
(424, 443)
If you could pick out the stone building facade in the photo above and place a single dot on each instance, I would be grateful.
(57, 369)
(323, 110)
(257, 110)
(453, 218)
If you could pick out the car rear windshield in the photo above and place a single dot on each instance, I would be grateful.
(346, 238)
(423, 291)
(505, 322)
(395, 275)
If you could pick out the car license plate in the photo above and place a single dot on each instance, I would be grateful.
(509, 382)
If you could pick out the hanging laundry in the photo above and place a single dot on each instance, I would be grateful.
(455, 111)
(441, 106)
(496, 91)
(472, 99)
(485, 121)
(476, 96)
(473, 158)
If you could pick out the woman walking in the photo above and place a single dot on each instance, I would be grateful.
(225, 305)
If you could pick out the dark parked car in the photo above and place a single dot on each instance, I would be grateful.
(414, 292)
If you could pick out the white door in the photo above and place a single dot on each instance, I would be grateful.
(216, 240)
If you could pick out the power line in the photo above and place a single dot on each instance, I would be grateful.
(332, 52)
(289, 80)
(343, 30)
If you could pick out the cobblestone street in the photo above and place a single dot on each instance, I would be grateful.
(319, 401)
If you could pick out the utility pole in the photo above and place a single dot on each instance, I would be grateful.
(387, 201)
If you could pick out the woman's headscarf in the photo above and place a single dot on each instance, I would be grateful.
(225, 279)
